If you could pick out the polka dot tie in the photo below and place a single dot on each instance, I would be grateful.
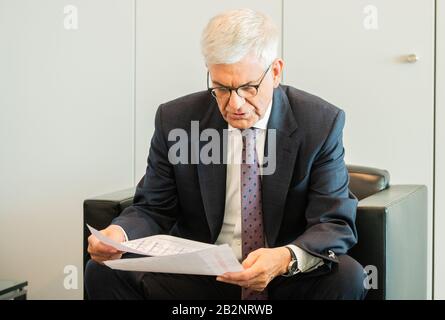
(251, 206)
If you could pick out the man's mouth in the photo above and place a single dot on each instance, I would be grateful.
(238, 115)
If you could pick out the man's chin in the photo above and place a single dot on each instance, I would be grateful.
(241, 124)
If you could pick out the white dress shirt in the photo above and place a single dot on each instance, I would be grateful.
(231, 228)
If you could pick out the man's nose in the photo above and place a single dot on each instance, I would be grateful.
(235, 101)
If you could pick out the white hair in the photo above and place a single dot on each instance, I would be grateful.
(232, 35)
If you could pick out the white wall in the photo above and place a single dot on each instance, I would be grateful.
(66, 131)
(332, 52)
(439, 268)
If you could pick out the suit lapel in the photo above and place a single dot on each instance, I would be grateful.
(212, 177)
(275, 186)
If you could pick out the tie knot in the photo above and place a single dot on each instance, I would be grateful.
(249, 149)
(248, 135)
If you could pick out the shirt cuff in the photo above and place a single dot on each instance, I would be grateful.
(306, 261)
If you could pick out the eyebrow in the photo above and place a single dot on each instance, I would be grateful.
(221, 85)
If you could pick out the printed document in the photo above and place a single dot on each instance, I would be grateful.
(172, 255)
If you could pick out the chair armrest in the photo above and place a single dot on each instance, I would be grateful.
(99, 211)
(392, 230)
(366, 181)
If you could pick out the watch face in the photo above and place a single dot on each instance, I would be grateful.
(293, 266)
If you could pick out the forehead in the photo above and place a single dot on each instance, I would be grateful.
(235, 74)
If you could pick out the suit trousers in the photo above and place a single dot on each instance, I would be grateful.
(344, 280)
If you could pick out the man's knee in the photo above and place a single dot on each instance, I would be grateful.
(95, 277)
(102, 282)
(349, 279)
(93, 270)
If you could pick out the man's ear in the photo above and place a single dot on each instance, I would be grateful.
(277, 71)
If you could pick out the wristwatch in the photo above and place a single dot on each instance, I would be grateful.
(292, 268)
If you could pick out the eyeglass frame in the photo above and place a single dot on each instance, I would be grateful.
(256, 86)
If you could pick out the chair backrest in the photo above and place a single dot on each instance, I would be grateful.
(366, 181)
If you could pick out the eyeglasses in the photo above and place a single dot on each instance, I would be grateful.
(245, 91)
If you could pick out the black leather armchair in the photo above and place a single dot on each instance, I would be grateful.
(391, 222)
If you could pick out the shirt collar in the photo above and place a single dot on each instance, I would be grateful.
(262, 123)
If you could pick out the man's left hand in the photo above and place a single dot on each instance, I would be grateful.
(260, 267)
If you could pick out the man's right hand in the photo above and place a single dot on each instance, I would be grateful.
(101, 252)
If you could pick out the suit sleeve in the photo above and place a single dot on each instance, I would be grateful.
(155, 205)
(331, 208)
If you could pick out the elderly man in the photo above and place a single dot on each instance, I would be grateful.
(291, 225)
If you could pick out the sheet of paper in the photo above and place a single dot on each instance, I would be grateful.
(158, 245)
(163, 245)
(214, 260)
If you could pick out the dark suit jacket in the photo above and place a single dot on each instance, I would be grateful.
(306, 201)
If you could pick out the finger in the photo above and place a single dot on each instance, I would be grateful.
(100, 255)
(244, 284)
(93, 251)
(251, 259)
(256, 281)
(94, 242)
(247, 284)
(98, 250)
(226, 280)
(98, 259)
(106, 248)
(115, 256)
(98, 246)
(261, 281)
(102, 258)
(258, 288)
(245, 275)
